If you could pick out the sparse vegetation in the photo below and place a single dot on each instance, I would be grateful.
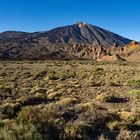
(69, 100)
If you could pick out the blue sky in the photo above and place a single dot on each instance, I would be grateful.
(119, 16)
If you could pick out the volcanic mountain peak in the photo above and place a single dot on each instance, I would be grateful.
(85, 33)
(80, 40)
(81, 24)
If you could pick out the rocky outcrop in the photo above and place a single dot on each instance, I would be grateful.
(93, 51)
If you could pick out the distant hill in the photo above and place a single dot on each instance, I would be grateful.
(78, 41)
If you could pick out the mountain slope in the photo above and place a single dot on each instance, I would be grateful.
(84, 33)
(78, 41)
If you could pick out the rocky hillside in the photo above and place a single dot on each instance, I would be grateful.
(78, 41)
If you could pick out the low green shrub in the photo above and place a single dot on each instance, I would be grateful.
(14, 131)
(11, 109)
(77, 131)
(66, 101)
(39, 74)
(42, 119)
(133, 82)
(134, 94)
(105, 97)
(128, 135)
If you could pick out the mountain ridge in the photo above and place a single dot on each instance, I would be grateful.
(77, 41)
(74, 26)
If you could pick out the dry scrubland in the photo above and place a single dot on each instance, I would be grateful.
(69, 100)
